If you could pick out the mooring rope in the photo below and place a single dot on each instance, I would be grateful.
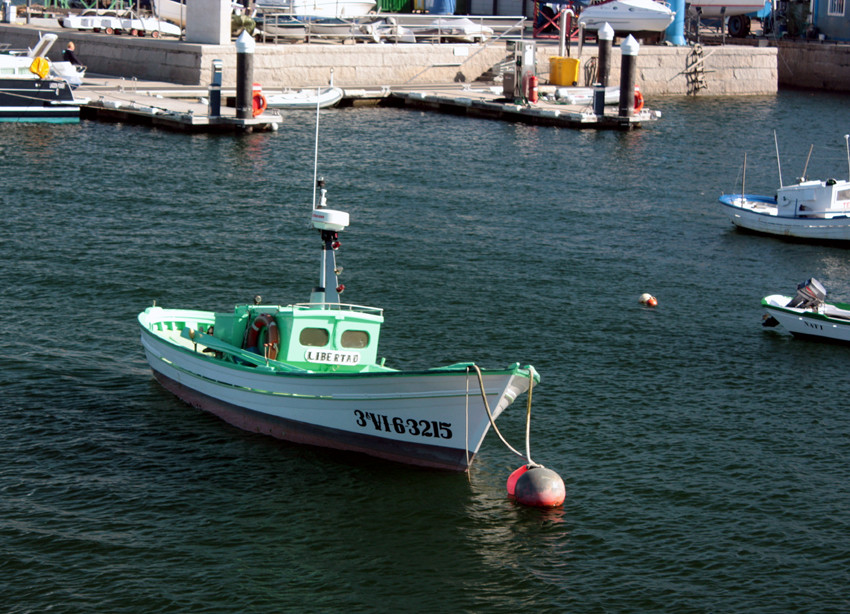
(527, 455)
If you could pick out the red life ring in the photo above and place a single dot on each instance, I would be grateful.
(267, 321)
(259, 103)
(638, 99)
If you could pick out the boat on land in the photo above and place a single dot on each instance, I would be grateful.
(310, 372)
(322, 98)
(319, 8)
(119, 22)
(729, 8)
(736, 12)
(808, 209)
(32, 91)
(628, 16)
(807, 314)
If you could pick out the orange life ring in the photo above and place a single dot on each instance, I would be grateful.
(267, 321)
(638, 100)
(260, 103)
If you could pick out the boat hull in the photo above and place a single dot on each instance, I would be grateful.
(806, 323)
(759, 214)
(320, 8)
(279, 427)
(305, 99)
(37, 100)
(627, 16)
(729, 8)
(434, 418)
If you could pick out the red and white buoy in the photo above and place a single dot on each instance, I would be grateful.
(537, 486)
(647, 299)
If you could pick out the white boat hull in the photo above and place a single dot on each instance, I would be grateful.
(305, 99)
(715, 8)
(807, 323)
(628, 16)
(320, 8)
(433, 418)
(760, 215)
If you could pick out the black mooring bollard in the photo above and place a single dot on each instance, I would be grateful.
(244, 76)
(606, 40)
(628, 67)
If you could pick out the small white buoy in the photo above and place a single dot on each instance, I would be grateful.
(537, 487)
(649, 300)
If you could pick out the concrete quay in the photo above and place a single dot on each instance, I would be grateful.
(661, 70)
(186, 108)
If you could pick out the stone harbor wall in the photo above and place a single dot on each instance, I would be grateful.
(661, 70)
(822, 66)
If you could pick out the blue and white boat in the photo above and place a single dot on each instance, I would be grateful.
(816, 209)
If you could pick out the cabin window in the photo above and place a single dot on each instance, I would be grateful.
(843, 195)
(315, 337)
(836, 8)
(355, 339)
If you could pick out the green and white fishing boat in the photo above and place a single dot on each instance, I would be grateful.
(310, 373)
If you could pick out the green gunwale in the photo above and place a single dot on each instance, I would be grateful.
(282, 369)
(811, 314)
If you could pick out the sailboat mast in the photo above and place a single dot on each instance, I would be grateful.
(847, 147)
(778, 163)
(809, 157)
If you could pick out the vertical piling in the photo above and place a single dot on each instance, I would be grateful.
(215, 88)
(244, 76)
(606, 40)
(628, 68)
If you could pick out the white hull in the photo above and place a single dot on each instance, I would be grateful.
(807, 323)
(305, 99)
(760, 214)
(433, 418)
(628, 16)
(714, 8)
(584, 95)
(114, 24)
(320, 8)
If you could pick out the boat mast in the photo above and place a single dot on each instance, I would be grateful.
(778, 164)
(809, 157)
(847, 147)
(328, 222)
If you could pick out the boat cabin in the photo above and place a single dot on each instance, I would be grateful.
(817, 199)
(314, 336)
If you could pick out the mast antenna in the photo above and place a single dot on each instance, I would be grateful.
(316, 152)
(778, 163)
(809, 157)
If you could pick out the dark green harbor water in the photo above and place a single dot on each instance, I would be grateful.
(706, 459)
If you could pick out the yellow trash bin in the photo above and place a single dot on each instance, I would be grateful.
(563, 71)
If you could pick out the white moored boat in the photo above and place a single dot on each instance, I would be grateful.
(34, 89)
(305, 99)
(805, 210)
(628, 16)
(807, 314)
(310, 373)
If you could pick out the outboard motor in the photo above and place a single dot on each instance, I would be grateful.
(810, 294)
